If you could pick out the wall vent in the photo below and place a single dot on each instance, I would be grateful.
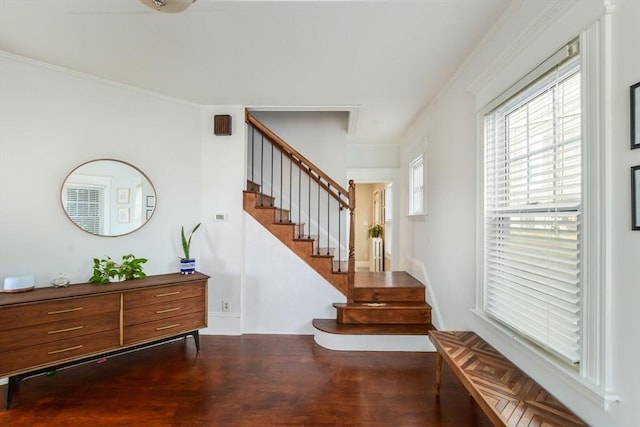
(222, 124)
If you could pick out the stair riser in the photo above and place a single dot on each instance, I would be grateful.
(298, 230)
(253, 187)
(280, 215)
(384, 316)
(389, 294)
(264, 201)
(340, 265)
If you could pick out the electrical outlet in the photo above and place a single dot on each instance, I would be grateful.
(226, 305)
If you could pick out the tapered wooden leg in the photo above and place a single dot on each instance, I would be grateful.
(11, 389)
(438, 373)
(196, 338)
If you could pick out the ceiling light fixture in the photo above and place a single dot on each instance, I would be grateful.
(168, 6)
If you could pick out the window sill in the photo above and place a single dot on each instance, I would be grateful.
(539, 365)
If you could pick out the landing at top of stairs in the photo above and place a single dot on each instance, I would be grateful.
(394, 279)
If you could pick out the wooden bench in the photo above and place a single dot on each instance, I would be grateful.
(507, 395)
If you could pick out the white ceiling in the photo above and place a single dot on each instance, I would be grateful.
(383, 59)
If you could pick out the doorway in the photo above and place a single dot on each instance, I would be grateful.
(374, 201)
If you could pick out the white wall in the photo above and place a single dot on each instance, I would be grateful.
(223, 179)
(445, 240)
(281, 294)
(319, 136)
(625, 244)
(52, 120)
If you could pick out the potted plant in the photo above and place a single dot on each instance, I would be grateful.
(375, 231)
(187, 264)
(106, 270)
(131, 267)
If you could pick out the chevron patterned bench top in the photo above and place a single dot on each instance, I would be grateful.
(507, 395)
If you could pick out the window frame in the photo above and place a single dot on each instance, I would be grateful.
(593, 378)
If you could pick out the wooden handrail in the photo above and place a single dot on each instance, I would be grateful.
(275, 139)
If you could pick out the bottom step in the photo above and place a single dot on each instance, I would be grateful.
(328, 333)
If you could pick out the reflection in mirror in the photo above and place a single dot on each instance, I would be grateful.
(108, 197)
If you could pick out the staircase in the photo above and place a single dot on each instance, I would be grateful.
(384, 310)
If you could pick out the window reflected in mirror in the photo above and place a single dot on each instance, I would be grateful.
(108, 197)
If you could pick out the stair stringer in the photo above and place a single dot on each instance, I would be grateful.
(303, 248)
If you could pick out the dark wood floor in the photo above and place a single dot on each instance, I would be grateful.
(252, 380)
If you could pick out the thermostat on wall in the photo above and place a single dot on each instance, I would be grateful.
(220, 217)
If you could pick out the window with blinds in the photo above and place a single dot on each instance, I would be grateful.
(416, 186)
(533, 202)
(84, 207)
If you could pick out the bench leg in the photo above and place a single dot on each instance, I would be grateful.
(438, 372)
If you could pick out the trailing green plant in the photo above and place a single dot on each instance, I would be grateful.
(375, 231)
(131, 267)
(106, 270)
(186, 242)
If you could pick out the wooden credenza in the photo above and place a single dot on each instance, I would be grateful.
(48, 328)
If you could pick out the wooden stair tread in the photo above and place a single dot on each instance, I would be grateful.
(382, 305)
(394, 279)
(332, 326)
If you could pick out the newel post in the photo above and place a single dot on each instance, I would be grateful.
(352, 240)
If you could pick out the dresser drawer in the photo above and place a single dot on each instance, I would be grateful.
(53, 311)
(29, 358)
(56, 331)
(164, 328)
(163, 310)
(162, 294)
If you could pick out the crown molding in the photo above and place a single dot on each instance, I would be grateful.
(525, 38)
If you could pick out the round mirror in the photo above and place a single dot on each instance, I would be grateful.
(108, 197)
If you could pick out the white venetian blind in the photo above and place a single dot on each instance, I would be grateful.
(533, 197)
(84, 207)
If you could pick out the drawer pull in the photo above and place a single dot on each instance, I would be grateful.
(167, 294)
(65, 349)
(75, 328)
(168, 310)
(162, 328)
(69, 310)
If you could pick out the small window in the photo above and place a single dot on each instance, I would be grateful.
(416, 186)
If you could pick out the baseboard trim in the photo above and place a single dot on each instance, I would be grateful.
(419, 271)
(222, 323)
(362, 264)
